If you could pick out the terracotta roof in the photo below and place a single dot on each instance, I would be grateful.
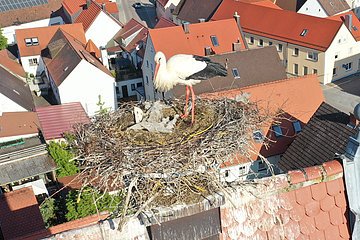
(355, 27)
(127, 33)
(92, 48)
(20, 214)
(57, 119)
(297, 97)
(173, 40)
(10, 62)
(30, 14)
(291, 5)
(162, 2)
(333, 7)
(163, 22)
(15, 89)
(111, 7)
(266, 3)
(309, 204)
(18, 123)
(324, 135)
(64, 53)
(281, 24)
(255, 67)
(88, 16)
(75, 6)
(191, 11)
(44, 35)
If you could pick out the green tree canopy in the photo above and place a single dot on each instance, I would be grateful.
(48, 210)
(3, 41)
(61, 154)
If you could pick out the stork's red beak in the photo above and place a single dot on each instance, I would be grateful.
(156, 70)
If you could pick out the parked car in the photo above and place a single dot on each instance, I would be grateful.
(137, 5)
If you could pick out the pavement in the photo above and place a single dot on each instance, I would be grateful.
(343, 94)
(146, 14)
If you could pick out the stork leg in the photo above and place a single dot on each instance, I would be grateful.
(186, 102)
(192, 105)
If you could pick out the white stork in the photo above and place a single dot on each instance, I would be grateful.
(187, 70)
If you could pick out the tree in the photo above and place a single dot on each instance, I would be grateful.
(48, 212)
(61, 154)
(102, 110)
(82, 204)
(3, 40)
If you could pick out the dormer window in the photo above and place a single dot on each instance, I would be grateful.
(235, 73)
(214, 41)
(304, 32)
(31, 41)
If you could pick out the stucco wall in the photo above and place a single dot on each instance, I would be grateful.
(313, 8)
(7, 105)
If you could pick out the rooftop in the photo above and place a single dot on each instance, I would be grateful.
(131, 35)
(10, 63)
(75, 6)
(333, 7)
(20, 214)
(355, 23)
(18, 123)
(325, 135)
(163, 22)
(58, 119)
(190, 12)
(199, 37)
(44, 35)
(24, 13)
(271, 23)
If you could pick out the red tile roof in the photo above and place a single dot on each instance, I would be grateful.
(130, 28)
(299, 97)
(57, 119)
(309, 204)
(9, 61)
(20, 214)
(281, 25)
(355, 28)
(162, 2)
(163, 22)
(88, 16)
(173, 40)
(111, 7)
(92, 48)
(18, 123)
(74, 6)
(44, 35)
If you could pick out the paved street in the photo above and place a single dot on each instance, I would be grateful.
(343, 94)
(146, 14)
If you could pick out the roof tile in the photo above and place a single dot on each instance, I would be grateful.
(313, 172)
(332, 167)
(336, 216)
(307, 225)
(297, 212)
(303, 195)
(303, 237)
(333, 188)
(340, 200)
(332, 233)
(322, 221)
(288, 200)
(292, 230)
(296, 176)
(88, 16)
(317, 235)
(312, 209)
(267, 222)
(284, 216)
(318, 191)
(344, 231)
(327, 203)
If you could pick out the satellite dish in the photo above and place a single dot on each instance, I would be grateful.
(357, 111)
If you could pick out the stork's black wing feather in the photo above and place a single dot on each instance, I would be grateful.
(202, 59)
(211, 70)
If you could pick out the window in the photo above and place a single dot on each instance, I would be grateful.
(235, 73)
(304, 32)
(262, 166)
(31, 41)
(347, 66)
(133, 87)
(242, 170)
(277, 130)
(214, 41)
(312, 56)
(227, 173)
(305, 70)
(152, 67)
(336, 56)
(334, 71)
(270, 43)
(251, 40)
(147, 63)
(296, 69)
(117, 90)
(296, 52)
(139, 84)
(280, 47)
(258, 136)
(261, 43)
(147, 80)
(297, 126)
(33, 61)
(314, 71)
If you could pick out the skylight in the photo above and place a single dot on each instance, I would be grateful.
(214, 41)
(304, 32)
(235, 73)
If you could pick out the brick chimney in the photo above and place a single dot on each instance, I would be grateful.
(103, 6)
(236, 46)
(208, 51)
(88, 3)
(186, 27)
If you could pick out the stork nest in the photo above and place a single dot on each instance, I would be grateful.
(162, 169)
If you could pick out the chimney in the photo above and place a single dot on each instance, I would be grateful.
(236, 46)
(103, 6)
(237, 18)
(208, 51)
(348, 21)
(88, 3)
(186, 27)
(201, 20)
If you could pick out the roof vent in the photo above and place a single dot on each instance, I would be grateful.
(304, 32)
(208, 51)
(201, 20)
(186, 27)
(236, 46)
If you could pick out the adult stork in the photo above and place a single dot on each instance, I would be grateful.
(186, 70)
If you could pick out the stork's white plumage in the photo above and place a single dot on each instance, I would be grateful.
(187, 70)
